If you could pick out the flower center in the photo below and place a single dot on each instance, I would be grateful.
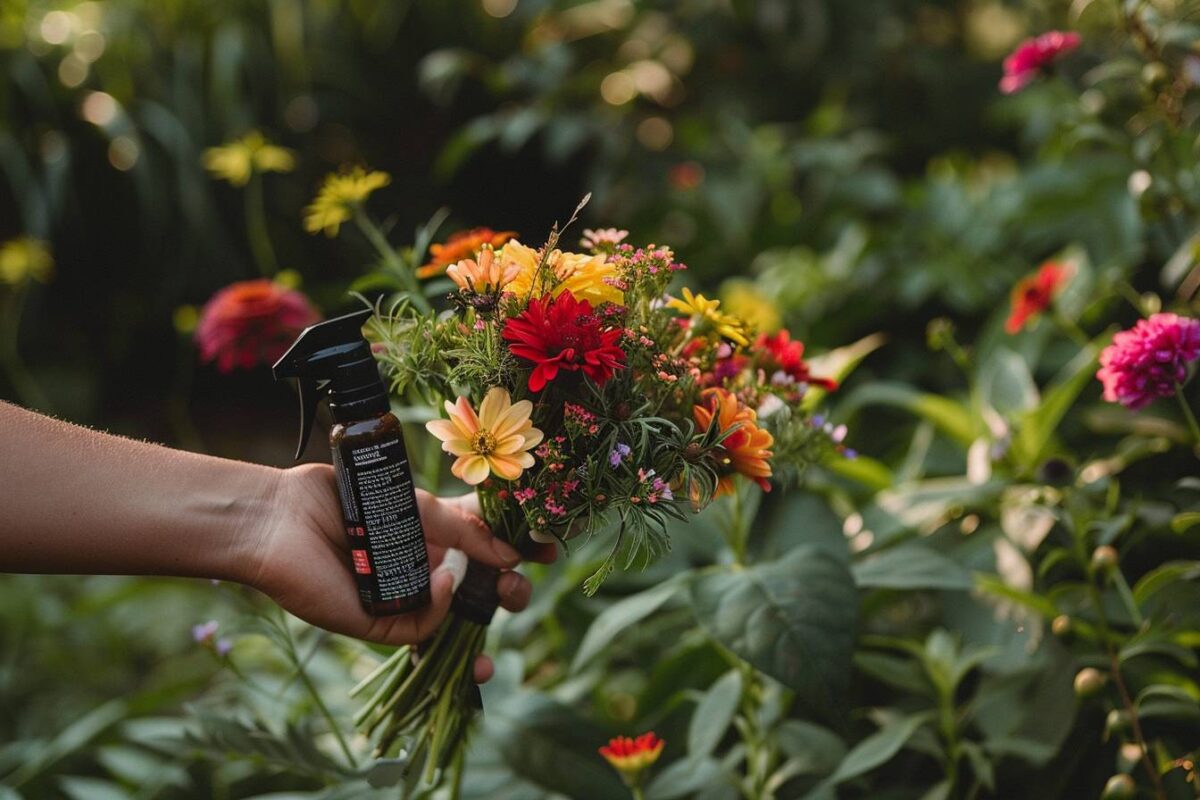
(483, 442)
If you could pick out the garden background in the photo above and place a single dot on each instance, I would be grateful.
(846, 168)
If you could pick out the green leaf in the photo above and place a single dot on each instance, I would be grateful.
(1167, 702)
(813, 750)
(793, 619)
(80, 788)
(714, 714)
(1035, 429)
(619, 616)
(861, 469)
(1161, 577)
(838, 364)
(1185, 521)
(950, 417)
(1006, 385)
(684, 777)
(911, 566)
(995, 586)
(877, 749)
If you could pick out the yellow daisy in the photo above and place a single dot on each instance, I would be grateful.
(238, 160)
(25, 258)
(705, 311)
(495, 441)
(338, 198)
(585, 277)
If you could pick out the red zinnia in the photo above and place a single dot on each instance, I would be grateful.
(1032, 56)
(563, 334)
(631, 757)
(781, 353)
(251, 322)
(1033, 294)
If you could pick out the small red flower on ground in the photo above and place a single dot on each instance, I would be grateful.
(631, 757)
(781, 353)
(251, 322)
(563, 334)
(1149, 360)
(1033, 56)
(1033, 294)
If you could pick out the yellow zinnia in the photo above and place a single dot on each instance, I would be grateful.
(703, 310)
(585, 277)
(745, 300)
(238, 160)
(496, 441)
(340, 195)
(25, 258)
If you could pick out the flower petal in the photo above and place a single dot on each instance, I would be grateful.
(473, 469)
(494, 404)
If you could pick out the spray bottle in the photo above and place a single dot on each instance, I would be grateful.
(379, 504)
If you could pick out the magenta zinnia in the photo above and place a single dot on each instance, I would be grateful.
(1033, 56)
(1149, 360)
(564, 334)
(251, 322)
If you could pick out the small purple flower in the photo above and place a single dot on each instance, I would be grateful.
(1149, 360)
(224, 645)
(204, 633)
(818, 420)
(619, 454)
(850, 453)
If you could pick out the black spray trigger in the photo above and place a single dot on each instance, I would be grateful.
(312, 392)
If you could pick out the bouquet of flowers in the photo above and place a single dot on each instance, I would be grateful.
(582, 398)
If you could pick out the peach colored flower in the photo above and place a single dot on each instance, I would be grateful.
(495, 441)
(745, 450)
(488, 274)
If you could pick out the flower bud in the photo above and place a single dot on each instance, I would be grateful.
(1061, 626)
(1155, 74)
(1088, 682)
(1104, 558)
(1119, 787)
(1116, 721)
(1128, 756)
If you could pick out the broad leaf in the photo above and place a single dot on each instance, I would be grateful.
(684, 777)
(911, 566)
(793, 619)
(874, 751)
(714, 714)
(619, 616)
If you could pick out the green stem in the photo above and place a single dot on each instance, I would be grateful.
(1188, 415)
(393, 261)
(22, 379)
(256, 228)
(1071, 328)
(302, 674)
(637, 793)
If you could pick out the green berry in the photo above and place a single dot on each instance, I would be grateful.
(1119, 787)
(1089, 682)
(1105, 558)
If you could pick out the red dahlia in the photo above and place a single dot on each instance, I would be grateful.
(563, 334)
(251, 322)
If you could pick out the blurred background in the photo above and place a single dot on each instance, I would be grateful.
(845, 167)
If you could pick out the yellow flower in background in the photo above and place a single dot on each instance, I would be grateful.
(340, 195)
(496, 441)
(238, 160)
(745, 300)
(585, 277)
(25, 258)
(705, 311)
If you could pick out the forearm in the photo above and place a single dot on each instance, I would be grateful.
(76, 501)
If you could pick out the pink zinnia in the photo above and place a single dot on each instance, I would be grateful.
(1032, 56)
(251, 322)
(1149, 360)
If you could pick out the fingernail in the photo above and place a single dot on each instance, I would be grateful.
(506, 553)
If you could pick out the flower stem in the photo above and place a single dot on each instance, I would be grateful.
(637, 793)
(256, 228)
(1188, 415)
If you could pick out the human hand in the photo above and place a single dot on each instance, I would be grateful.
(301, 560)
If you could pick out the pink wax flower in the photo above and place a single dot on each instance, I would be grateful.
(251, 322)
(1149, 360)
(1032, 56)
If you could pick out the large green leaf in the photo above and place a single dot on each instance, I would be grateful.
(794, 619)
(949, 416)
(876, 750)
(1036, 427)
(911, 566)
(619, 616)
(714, 714)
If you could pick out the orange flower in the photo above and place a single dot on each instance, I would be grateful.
(487, 274)
(746, 449)
(464, 244)
(631, 757)
(1033, 294)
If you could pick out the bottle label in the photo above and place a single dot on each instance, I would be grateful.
(383, 526)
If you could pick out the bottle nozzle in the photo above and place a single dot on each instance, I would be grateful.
(332, 358)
